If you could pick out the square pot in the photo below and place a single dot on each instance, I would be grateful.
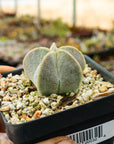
(85, 123)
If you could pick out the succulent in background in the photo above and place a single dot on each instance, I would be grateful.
(50, 28)
(55, 70)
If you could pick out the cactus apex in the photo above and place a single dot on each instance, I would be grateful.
(53, 46)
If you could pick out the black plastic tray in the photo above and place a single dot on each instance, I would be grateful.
(68, 121)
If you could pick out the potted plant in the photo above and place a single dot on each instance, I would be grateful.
(58, 94)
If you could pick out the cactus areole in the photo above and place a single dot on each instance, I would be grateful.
(55, 70)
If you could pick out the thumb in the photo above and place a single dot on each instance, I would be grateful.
(4, 68)
(67, 142)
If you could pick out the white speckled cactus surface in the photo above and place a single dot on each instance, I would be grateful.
(55, 70)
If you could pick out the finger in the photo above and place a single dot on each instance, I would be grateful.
(1, 127)
(4, 139)
(67, 142)
(55, 140)
(4, 68)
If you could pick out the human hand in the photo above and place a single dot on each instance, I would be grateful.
(57, 140)
(4, 68)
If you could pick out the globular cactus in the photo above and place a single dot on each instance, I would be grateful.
(55, 70)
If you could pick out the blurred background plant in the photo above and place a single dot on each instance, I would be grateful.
(19, 34)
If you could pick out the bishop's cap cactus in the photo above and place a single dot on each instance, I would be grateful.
(55, 70)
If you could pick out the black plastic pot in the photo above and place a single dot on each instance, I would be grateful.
(102, 54)
(3, 62)
(91, 117)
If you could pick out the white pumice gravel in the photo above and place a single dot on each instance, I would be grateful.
(20, 101)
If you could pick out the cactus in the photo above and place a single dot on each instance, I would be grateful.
(55, 70)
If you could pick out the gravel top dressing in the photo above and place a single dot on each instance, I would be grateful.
(20, 101)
